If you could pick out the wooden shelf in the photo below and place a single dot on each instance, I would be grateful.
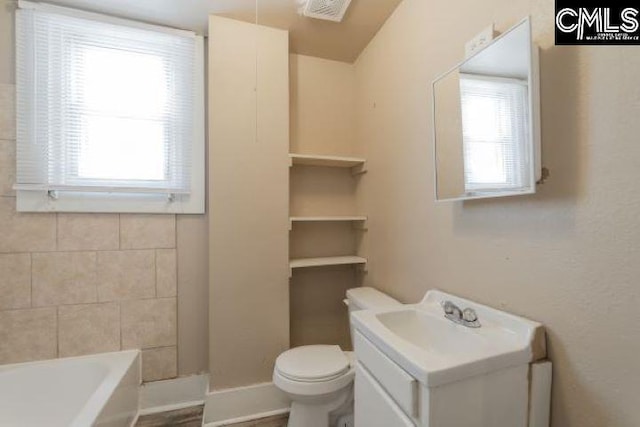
(359, 222)
(356, 164)
(325, 261)
(327, 218)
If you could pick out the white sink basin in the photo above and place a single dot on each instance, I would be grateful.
(437, 351)
(430, 332)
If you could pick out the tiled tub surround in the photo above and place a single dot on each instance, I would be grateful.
(97, 390)
(77, 284)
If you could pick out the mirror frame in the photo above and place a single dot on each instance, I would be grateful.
(534, 113)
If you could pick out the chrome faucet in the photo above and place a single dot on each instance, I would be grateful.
(466, 317)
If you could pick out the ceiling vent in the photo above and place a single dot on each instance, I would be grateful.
(329, 10)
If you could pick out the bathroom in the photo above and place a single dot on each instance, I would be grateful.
(198, 295)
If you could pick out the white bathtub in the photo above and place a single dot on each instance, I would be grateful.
(97, 390)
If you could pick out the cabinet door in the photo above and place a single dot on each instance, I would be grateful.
(373, 406)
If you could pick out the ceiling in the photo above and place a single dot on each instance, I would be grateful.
(339, 41)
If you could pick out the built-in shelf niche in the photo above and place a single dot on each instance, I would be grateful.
(357, 166)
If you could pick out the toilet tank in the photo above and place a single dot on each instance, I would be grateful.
(366, 299)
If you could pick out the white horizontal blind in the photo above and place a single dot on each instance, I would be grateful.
(495, 130)
(103, 106)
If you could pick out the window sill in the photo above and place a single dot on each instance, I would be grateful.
(39, 201)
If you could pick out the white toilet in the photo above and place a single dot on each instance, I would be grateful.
(319, 378)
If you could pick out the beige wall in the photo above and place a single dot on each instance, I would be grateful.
(322, 106)
(249, 143)
(318, 315)
(192, 240)
(74, 284)
(322, 122)
(7, 41)
(568, 256)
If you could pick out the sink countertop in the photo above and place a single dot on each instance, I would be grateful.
(437, 351)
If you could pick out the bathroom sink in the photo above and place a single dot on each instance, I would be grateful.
(436, 350)
(429, 332)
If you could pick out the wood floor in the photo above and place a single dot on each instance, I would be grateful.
(192, 417)
(275, 421)
(188, 417)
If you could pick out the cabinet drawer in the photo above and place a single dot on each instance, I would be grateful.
(373, 406)
(401, 386)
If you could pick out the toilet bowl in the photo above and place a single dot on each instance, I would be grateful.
(319, 381)
(319, 378)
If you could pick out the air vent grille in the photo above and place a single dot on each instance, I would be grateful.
(331, 10)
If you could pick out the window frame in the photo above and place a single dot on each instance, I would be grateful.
(130, 201)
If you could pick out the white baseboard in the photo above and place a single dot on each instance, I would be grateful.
(169, 395)
(244, 404)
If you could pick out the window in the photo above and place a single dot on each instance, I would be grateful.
(110, 114)
(495, 133)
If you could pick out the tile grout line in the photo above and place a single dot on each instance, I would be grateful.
(120, 323)
(95, 271)
(31, 280)
(155, 270)
(57, 234)
(72, 251)
(57, 332)
(71, 304)
(119, 232)
(175, 254)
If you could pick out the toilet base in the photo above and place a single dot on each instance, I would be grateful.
(321, 412)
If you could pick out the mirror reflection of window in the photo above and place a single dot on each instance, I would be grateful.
(495, 132)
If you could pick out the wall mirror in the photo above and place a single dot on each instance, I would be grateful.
(486, 121)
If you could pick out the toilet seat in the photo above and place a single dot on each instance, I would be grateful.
(313, 363)
(333, 381)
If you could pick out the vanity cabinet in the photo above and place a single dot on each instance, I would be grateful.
(418, 367)
(386, 395)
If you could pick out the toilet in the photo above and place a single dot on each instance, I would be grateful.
(319, 378)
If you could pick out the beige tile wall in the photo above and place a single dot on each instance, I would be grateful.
(76, 284)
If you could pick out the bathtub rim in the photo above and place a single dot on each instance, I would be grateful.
(118, 362)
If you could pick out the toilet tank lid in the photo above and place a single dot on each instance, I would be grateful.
(369, 298)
